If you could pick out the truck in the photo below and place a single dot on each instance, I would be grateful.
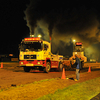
(35, 53)
(79, 50)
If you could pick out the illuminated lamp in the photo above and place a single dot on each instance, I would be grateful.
(74, 40)
(25, 39)
(39, 36)
(10, 54)
(31, 35)
(75, 52)
(50, 38)
(32, 39)
(79, 43)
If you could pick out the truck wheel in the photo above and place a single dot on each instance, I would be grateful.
(47, 68)
(60, 67)
(26, 69)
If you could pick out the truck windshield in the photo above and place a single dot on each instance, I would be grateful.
(31, 46)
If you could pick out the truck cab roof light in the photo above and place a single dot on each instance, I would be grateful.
(32, 39)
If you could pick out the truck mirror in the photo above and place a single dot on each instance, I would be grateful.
(45, 47)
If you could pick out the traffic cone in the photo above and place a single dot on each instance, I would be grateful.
(89, 70)
(1, 64)
(63, 74)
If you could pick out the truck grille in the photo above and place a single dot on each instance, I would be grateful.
(29, 56)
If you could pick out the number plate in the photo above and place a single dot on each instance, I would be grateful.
(29, 64)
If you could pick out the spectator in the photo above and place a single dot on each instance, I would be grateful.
(78, 67)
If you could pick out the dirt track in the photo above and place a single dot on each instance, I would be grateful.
(12, 75)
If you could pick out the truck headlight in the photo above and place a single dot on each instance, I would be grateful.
(38, 62)
(21, 62)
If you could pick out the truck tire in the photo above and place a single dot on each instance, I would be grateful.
(60, 67)
(47, 68)
(26, 69)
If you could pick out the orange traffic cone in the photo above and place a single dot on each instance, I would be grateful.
(1, 64)
(63, 74)
(89, 70)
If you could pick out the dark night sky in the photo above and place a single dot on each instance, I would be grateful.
(78, 19)
(13, 26)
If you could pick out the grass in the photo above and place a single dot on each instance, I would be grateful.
(80, 91)
(36, 82)
(24, 92)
